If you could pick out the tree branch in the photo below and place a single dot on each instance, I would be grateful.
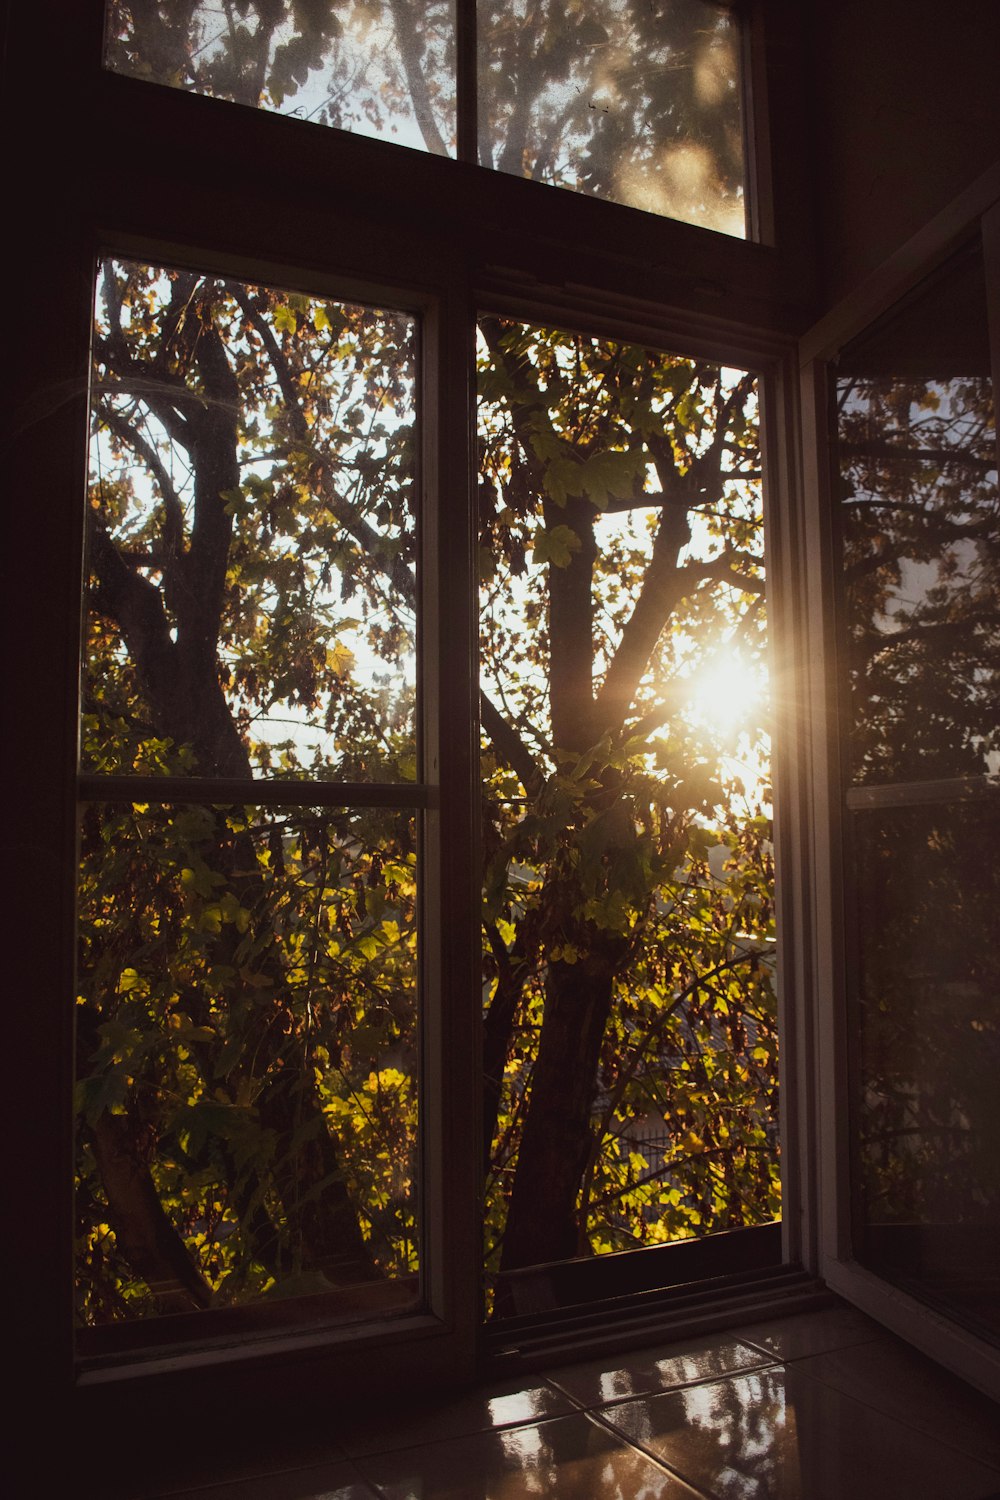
(509, 746)
(173, 519)
(411, 53)
(662, 590)
(718, 568)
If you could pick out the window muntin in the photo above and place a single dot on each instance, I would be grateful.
(630, 1036)
(637, 103)
(248, 1027)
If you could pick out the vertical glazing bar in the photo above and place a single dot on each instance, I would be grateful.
(450, 904)
(991, 258)
(466, 79)
(44, 443)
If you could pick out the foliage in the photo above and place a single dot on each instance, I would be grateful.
(922, 543)
(630, 100)
(621, 99)
(928, 1143)
(921, 531)
(247, 1028)
(223, 950)
(628, 896)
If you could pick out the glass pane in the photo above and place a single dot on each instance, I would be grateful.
(928, 1006)
(630, 1041)
(380, 67)
(246, 1060)
(251, 532)
(639, 103)
(921, 523)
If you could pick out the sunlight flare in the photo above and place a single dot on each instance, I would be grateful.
(726, 694)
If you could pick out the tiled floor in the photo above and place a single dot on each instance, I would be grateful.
(824, 1407)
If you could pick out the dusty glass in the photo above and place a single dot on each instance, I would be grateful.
(379, 68)
(630, 1016)
(251, 533)
(637, 103)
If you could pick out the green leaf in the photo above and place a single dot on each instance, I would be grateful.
(555, 545)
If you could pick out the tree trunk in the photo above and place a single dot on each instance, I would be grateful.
(148, 1240)
(542, 1220)
(310, 1182)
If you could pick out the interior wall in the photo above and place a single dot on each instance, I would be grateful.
(906, 113)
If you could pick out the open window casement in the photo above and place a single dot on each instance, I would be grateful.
(900, 391)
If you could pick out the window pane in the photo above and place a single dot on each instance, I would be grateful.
(247, 1059)
(630, 1042)
(921, 521)
(635, 102)
(251, 532)
(928, 1007)
(384, 68)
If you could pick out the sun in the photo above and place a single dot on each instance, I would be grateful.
(726, 695)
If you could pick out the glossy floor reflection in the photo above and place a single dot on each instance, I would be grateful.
(823, 1406)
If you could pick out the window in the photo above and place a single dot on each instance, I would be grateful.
(640, 104)
(917, 448)
(630, 1025)
(239, 248)
(903, 506)
(248, 971)
(251, 836)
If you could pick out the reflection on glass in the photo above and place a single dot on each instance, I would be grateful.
(928, 1109)
(630, 1023)
(251, 600)
(382, 68)
(636, 103)
(246, 1058)
(921, 524)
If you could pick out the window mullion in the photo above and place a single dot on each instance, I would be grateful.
(467, 79)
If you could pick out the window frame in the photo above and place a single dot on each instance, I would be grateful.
(443, 796)
(467, 237)
(975, 211)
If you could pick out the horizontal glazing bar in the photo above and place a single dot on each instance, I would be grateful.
(920, 793)
(226, 789)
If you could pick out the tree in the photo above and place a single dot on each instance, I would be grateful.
(621, 988)
(634, 101)
(921, 530)
(922, 543)
(247, 973)
(247, 1028)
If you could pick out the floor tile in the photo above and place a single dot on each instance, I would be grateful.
(659, 1369)
(811, 1333)
(340, 1481)
(476, 1411)
(899, 1381)
(569, 1458)
(776, 1434)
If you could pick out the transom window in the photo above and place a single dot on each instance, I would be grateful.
(635, 101)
